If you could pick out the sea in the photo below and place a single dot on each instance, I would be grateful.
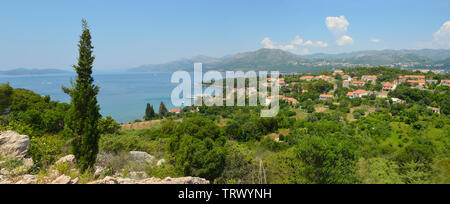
(122, 95)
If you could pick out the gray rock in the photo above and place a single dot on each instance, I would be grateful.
(4, 172)
(141, 157)
(12, 144)
(98, 171)
(70, 159)
(63, 179)
(27, 179)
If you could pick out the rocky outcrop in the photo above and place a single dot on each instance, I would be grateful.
(168, 180)
(137, 156)
(63, 179)
(12, 144)
(69, 159)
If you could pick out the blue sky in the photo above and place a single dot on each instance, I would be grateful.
(44, 34)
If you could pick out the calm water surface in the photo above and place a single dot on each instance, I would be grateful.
(122, 96)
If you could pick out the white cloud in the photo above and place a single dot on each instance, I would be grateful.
(321, 44)
(344, 40)
(375, 40)
(337, 25)
(268, 43)
(298, 45)
(442, 36)
(298, 40)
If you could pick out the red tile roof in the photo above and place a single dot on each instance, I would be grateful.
(326, 96)
(360, 91)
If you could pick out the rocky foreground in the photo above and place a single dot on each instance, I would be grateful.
(14, 147)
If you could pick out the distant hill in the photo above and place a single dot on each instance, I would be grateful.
(274, 59)
(24, 71)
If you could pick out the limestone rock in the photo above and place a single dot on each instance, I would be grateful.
(27, 179)
(12, 144)
(63, 179)
(70, 159)
(141, 157)
(4, 172)
(183, 180)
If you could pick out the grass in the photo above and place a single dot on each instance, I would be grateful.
(11, 164)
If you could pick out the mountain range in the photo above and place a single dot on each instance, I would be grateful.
(274, 59)
(24, 71)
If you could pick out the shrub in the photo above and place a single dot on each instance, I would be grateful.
(45, 150)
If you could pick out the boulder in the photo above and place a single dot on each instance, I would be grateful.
(137, 156)
(12, 144)
(70, 159)
(27, 179)
(63, 179)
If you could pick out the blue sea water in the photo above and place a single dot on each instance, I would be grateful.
(123, 96)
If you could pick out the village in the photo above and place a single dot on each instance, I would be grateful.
(359, 86)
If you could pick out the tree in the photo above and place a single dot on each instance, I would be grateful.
(5, 97)
(162, 109)
(83, 115)
(197, 148)
(149, 112)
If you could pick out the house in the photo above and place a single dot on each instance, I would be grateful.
(175, 110)
(347, 77)
(338, 72)
(325, 97)
(357, 94)
(358, 83)
(292, 101)
(324, 77)
(369, 78)
(445, 83)
(350, 95)
(434, 110)
(388, 86)
(410, 77)
(307, 78)
(414, 82)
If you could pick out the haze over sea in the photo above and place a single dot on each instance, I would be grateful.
(123, 96)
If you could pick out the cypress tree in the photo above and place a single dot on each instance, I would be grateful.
(83, 115)
(5, 97)
(149, 112)
(162, 109)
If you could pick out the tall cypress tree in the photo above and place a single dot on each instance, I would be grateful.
(149, 112)
(83, 116)
(162, 109)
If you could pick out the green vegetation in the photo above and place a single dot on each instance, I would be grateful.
(149, 112)
(368, 139)
(83, 115)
